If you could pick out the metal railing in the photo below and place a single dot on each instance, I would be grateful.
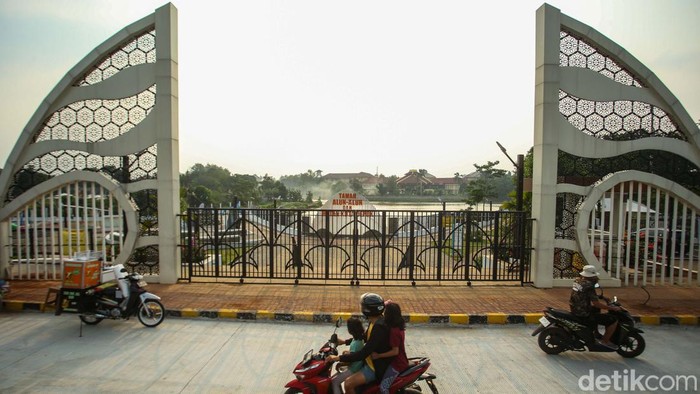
(355, 246)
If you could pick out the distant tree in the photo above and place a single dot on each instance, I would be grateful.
(356, 186)
(511, 203)
(478, 191)
(309, 197)
(294, 195)
(387, 185)
(485, 187)
(271, 189)
(221, 184)
(338, 187)
(199, 195)
(25, 179)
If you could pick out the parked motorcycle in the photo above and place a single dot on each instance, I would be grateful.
(560, 331)
(314, 375)
(120, 299)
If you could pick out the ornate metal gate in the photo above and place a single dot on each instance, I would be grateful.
(355, 245)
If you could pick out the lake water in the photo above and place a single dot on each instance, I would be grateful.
(429, 206)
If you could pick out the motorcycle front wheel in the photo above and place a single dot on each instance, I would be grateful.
(151, 313)
(632, 346)
(90, 319)
(552, 340)
(293, 391)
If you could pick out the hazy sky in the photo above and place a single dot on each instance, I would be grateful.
(280, 87)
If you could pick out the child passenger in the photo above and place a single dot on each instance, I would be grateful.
(394, 320)
(357, 331)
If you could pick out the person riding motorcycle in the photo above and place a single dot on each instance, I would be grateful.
(376, 340)
(584, 303)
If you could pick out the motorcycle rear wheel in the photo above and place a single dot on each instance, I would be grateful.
(632, 346)
(151, 313)
(552, 339)
(90, 319)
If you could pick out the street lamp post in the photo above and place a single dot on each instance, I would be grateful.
(520, 175)
(519, 225)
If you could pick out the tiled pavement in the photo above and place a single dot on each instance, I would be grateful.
(434, 303)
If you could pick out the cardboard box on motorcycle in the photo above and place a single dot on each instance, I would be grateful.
(82, 271)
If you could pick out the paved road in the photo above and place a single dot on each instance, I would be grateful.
(44, 353)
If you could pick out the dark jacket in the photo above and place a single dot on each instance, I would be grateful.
(377, 342)
(582, 296)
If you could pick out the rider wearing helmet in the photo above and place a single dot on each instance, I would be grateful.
(376, 340)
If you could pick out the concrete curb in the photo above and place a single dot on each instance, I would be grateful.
(413, 318)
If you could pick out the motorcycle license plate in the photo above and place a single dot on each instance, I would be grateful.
(141, 283)
(544, 321)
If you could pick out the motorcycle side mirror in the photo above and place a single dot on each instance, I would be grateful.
(615, 300)
(338, 322)
(123, 270)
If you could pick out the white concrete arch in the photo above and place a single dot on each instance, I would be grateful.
(597, 192)
(150, 79)
(125, 203)
(553, 133)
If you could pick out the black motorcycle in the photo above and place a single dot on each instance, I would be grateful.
(560, 331)
(120, 299)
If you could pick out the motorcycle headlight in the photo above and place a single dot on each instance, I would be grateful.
(301, 372)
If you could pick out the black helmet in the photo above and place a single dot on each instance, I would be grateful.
(372, 304)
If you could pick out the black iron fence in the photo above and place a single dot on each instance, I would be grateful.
(356, 246)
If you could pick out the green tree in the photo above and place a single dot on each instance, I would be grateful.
(293, 195)
(271, 189)
(387, 185)
(25, 179)
(199, 195)
(511, 203)
(485, 188)
(356, 186)
(338, 187)
(478, 191)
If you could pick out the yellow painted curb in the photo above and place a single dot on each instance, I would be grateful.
(418, 318)
(459, 319)
(14, 306)
(496, 318)
(265, 315)
(690, 320)
(651, 320)
(228, 313)
(345, 316)
(303, 316)
(187, 312)
(533, 318)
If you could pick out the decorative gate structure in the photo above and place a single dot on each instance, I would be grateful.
(96, 168)
(355, 246)
(616, 175)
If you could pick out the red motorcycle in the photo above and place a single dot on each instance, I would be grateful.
(314, 375)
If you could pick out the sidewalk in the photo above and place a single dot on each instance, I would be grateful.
(479, 304)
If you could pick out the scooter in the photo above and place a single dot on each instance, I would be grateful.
(314, 375)
(560, 331)
(120, 299)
